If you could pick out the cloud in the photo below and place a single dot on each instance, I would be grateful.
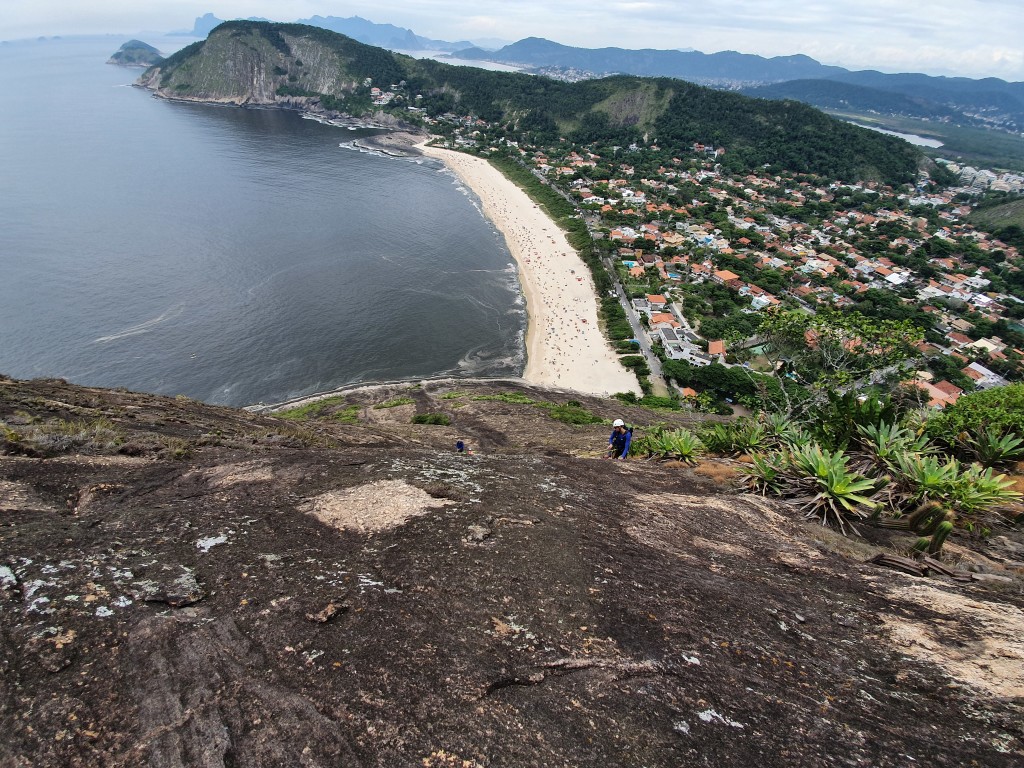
(975, 39)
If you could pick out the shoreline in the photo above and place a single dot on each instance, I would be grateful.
(360, 386)
(565, 347)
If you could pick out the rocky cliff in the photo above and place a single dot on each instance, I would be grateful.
(261, 64)
(187, 585)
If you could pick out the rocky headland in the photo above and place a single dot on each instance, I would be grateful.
(189, 585)
(136, 53)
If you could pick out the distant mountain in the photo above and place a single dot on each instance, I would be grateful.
(136, 53)
(714, 68)
(382, 35)
(832, 94)
(310, 68)
(206, 23)
(985, 103)
(369, 32)
(991, 101)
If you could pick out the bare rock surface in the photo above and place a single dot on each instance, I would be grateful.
(187, 585)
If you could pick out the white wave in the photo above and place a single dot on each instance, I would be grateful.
(144, 327)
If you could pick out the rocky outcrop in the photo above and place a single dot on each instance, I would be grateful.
(188, 585)
(245, 64)
(136, 53)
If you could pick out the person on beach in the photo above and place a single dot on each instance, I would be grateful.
(618, 443)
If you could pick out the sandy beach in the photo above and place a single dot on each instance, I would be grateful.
(564, 344)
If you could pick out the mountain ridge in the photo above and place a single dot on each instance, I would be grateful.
(365, 31)
(305, 67)
(952, 96)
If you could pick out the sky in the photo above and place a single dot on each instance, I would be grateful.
(970, 38)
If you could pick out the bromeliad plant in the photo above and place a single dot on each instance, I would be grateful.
(680, 444)
(719, 438)
(992, 448)
(831, 487)
(748, 436)
(782, 432)
(920, 479)
(819, 480)
(978, 489)
(831, 491)
(880, 446)
(767, 473)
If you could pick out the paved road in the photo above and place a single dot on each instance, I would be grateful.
(658, 383)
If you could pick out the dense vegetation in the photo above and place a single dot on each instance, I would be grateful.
(615, 110)
(829, 94)
(1004, 219)
(136, 53)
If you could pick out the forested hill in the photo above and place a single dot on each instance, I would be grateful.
(650, 62)
(832, 94)
(244, 62)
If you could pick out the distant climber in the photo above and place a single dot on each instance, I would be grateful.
(618, 442)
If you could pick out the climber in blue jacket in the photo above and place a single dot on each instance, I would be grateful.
(618, 442)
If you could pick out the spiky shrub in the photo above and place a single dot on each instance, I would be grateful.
(432, 418)
(781, 432)
(993, 448)
(881, 445)
(924, 478)
(766, 473)
(978, 490)
(718, 438)
(394, 403)
(58, 436)
(176, 448)
(831, 491)
(681, 444)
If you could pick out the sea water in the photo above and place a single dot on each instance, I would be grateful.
(231, 255)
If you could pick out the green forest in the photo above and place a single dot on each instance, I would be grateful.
(615, 110)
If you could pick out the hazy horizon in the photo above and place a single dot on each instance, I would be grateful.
(949, 38)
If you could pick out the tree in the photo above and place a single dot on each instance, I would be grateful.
(836, 352)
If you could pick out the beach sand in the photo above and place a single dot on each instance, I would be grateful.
(564, 344)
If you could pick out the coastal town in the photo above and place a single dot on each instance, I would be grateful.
(702, 252)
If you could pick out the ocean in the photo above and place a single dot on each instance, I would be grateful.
(235, 256)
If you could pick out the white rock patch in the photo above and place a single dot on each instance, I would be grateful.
(372, 507)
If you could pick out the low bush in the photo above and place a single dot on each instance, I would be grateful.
(1000, 409)
(573, 413)
(431, 418)
(506, 397)
(394, 403)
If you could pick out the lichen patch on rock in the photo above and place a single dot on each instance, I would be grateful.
(373, 507)
(16, 496)
(991, 660)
